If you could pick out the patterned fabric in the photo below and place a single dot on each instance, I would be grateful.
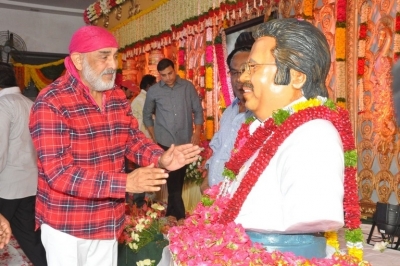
(81, 149)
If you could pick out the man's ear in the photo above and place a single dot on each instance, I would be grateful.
(77, 59)
(298, 78)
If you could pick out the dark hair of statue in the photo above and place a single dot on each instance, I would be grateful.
(147, 81)
(7, 76)
(302, 47)
(164, 63)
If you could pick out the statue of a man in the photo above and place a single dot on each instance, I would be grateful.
(285, 180)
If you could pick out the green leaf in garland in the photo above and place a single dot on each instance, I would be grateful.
(354, 236)
(229, 174)
(207, 201)
(218, 39)
(280, 116)
(330, 104)
(350, 158)
(250, 120)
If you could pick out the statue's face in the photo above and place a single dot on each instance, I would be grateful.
(262, 95)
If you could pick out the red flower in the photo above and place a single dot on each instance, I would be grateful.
(190, 73)
(363, 31)
(341, 10)
(397, 23)
(360, 66)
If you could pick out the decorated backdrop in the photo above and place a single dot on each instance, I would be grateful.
(364, 41)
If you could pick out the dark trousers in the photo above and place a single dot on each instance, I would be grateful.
(175, 181)
(21, 215)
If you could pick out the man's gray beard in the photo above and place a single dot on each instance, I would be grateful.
(94, 80)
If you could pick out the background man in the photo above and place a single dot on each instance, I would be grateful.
(138, 103)
(82, 127)
(234, 115)
(18, 167)
(175, 102)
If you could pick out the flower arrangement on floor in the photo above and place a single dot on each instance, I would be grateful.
(143, 224)
(196, 171)
(211, 237)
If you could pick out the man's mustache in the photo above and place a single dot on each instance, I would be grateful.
(248, 85)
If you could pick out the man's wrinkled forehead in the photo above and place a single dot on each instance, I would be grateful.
(91, 38)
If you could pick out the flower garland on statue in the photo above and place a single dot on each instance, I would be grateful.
(211, 231)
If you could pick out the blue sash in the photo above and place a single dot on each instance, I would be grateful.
(307, 245)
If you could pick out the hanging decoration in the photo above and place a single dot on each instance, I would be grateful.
(100, 8)
(340, 48)
(26, 73)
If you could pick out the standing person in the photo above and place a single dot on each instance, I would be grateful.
(82, 127)
(233, 117)
(5, 231)
(175, 102)
(18, 167)
(138, 103)
(131, 89)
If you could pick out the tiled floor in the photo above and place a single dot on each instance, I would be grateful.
(389, 257)
(12, 255)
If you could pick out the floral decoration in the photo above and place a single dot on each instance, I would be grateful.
(340, 46)
(209, 127)
(143, 224)
(196, 171)
(222, 68)
(146, 262)
(210, 235)
(308, 9)
(396, 47)
(99, 8)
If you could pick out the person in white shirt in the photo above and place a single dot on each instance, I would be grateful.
(18, 167)
(138, 103)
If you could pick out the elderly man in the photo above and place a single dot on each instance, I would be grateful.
(82, 127)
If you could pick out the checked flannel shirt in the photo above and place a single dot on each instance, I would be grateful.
(81, 149)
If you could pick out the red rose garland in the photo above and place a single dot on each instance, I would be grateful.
(339, 119)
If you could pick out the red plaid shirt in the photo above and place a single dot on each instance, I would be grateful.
(81, 149)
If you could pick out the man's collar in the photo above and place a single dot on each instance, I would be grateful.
(9, 90)
(178, 79)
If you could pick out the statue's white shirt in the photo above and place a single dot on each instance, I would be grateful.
(301, 190)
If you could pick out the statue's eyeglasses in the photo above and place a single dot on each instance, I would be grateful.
(250, 67)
